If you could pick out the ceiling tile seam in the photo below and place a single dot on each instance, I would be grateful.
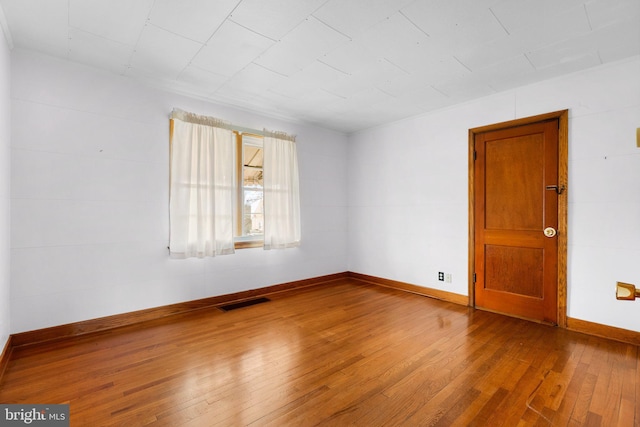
(269, 69)
(499, 21)
(412, 23)
(529, 60)
(334, 94)
(71, 27)
(190, 62)
(332, 28)
(320, 7)
(177, 34)
(227, 82)
(135, 47)
(383, 92)
(334, 68)
(208, 71)
(323, 23)
(253, 61)
(203, 45)
(586, 12)
(599, 56)
(312, 14)
(204, 70)
(397, 66)
(230, 19)
(306, 18)
(386, 93)
(463, 64)
(279, 41)
(443, 93)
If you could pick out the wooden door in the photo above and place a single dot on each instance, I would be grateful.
(516, 203)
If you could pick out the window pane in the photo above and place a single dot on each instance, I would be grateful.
(250, 189)
(253, 156)
(252, 162)
(252, 177)
(252, 218)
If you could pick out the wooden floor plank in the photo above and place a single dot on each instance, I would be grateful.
(342, 353)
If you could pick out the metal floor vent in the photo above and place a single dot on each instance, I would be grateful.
(242, 304)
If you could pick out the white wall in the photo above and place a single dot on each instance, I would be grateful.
(5, 189)
(90, 200)
(89, 195)
(408, 189)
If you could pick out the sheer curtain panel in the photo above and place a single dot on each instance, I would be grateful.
(202, 186)
(281, 192)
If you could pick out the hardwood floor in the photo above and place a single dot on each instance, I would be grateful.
(343, 353)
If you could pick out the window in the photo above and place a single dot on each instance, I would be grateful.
(230, 188)
(249, 216)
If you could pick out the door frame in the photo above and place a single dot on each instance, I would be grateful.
(563, 179)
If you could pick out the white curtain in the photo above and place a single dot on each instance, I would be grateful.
(281, 192)
(202, 186)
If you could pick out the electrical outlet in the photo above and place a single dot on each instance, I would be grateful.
(441, 276)
(448, 278)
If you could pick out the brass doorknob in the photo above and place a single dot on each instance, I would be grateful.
(550, 232)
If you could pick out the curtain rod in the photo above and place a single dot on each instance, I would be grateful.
(265, 133)
(248, 130)
(213, 121)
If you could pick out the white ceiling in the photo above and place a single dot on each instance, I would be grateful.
(342, 64)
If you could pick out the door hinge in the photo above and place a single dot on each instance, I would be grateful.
(474, 277)
(475, 155)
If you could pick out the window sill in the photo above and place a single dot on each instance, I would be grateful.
(244, 244)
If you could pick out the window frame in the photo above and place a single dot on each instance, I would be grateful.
(240, 241)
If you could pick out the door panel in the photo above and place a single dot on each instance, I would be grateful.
(513, 178)
(515, 270)
(515, 263)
